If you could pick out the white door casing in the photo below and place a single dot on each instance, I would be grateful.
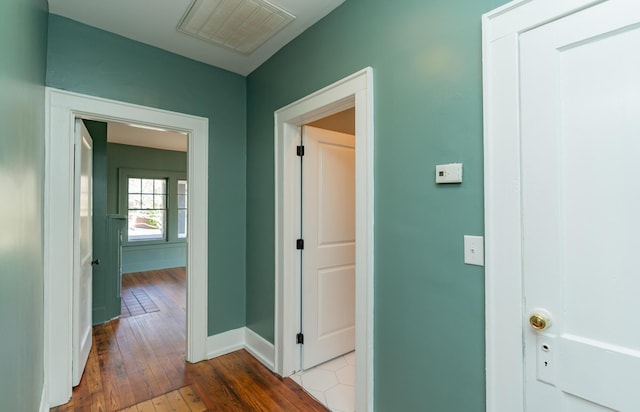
(559, 224)
(355, 90)
(82, 249)
(62, 108)
(328, 258)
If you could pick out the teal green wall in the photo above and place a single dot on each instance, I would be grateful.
(91, 61)
(135, 157)
(141, 257)
(23, 30)
(429, 305)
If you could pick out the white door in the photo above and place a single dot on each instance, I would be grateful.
(83, 246)
(581, 210)
(328, 258)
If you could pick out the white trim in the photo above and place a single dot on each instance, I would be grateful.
(44, 406)
(355, 90)
(62, 108)
(260, 348)
(501, 29)
(225, 342)
(241, 338)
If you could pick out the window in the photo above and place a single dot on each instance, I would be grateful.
(182, 209)
(147, 208)
(155, 203)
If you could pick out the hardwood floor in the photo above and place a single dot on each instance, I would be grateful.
(140, 358)
(181, 400)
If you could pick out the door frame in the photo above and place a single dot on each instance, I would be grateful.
(356, 91)
(61, 110)
(504, 316)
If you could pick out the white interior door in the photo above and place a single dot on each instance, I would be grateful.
(83, 246)
(580, 208)
(328, 216)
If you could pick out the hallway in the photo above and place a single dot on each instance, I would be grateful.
(141, 357)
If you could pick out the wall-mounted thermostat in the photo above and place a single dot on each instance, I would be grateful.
(449, 173)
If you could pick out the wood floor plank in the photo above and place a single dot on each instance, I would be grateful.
(256, 393)
(177, 402)
(161, 403)
(146, 406)
(216, 394)
(137, 363)
(98, 403)
(116, 387)
(192, 399)
(139, 358)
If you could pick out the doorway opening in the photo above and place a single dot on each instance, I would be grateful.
(327, 276)
(62, 108)
(147, 192)
(355, 91)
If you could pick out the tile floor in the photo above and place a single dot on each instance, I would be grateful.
(332, 383)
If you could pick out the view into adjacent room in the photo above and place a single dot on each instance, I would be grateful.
(139, 273)
(152, 196)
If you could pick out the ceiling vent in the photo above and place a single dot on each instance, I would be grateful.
(241, 25)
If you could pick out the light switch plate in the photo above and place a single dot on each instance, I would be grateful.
(474, 250)
(449, 173)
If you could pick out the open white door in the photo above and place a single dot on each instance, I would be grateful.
(328, 218)
(83, 247)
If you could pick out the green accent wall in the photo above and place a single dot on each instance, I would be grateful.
(429, 306)
(87, 60)
(23, 30)
(156, 255)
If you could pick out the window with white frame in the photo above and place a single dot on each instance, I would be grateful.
(147, 208)
(155, 203)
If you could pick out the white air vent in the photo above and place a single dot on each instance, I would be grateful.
(241, 25)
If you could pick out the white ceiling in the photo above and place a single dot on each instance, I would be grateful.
(154, 22)
(135, 135)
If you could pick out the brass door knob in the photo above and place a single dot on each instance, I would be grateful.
(539, 322)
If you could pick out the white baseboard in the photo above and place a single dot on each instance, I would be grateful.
(242, 338)
(225, 342)
(44, 406)
(260, 348)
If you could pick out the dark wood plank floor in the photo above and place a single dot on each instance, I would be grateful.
(141, 357)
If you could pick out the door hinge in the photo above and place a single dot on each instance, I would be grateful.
(300, 339)
(300, 151)
(300, 244)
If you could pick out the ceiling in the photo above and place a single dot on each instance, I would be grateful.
(144, 136)
(154, 22)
